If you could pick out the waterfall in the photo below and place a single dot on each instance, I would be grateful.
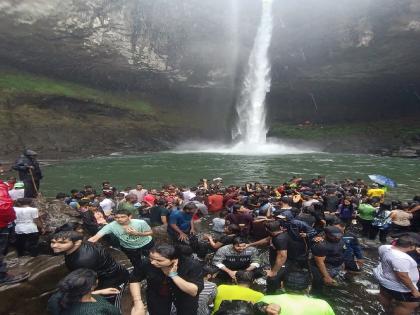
(251, 125)
(250, 133)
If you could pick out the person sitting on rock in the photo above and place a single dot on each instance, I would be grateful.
(237, 256)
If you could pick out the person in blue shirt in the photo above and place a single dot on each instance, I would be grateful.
(180, 224)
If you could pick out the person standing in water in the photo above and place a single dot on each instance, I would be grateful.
(29, 172)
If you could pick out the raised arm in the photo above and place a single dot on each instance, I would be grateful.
(185, 286)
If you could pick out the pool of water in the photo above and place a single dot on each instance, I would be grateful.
(156, 169)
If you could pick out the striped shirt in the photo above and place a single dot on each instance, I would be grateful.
(206, 298)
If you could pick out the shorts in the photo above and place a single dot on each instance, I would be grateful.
(400, 296)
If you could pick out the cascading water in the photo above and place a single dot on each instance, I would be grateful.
(250, 133)
(251, 126)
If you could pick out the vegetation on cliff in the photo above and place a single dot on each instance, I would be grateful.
(17, 84)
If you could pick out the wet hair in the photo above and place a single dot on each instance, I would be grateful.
(67, 235)
(84, 202)
(75, 285)
(245, 277)
(239, 240)
(60, 195)
(235, 307)
(263, 211)
(183, 250)
(208, 270)
(273, 226)
(385, 206)
(71, 226)
(235, 208)
(297, 281)
(375, 200)
(338, 221)
(123, 211)
(166, 250)
(308, 209)
(190, 206)
(406, 241)
(233, 228)
(223, 214)
(131, 196)
(161, 202)
(285, 199)
(24, 202)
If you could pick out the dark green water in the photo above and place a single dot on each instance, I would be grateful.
(155, 169)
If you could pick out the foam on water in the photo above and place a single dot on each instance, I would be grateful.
(243, 148)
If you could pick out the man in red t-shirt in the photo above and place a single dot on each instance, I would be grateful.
(215, 202)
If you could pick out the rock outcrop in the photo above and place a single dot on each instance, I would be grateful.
(350, 60)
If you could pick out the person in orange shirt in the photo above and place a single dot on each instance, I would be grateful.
(215, 201)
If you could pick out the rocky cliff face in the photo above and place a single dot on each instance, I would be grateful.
(332, 60)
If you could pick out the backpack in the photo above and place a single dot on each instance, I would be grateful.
(381, 221)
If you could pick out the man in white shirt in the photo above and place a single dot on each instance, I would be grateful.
(398, 275)
(140, 192)
(107, 204)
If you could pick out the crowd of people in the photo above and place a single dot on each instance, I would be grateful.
(198, 250)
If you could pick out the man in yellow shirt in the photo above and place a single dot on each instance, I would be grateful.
(375, 191)
(294, 301)
(239, 291)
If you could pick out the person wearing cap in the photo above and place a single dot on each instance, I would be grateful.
(327, 259)
(295, 301)
(29, 172)
(18, 191)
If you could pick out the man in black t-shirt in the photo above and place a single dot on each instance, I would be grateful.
(328, 258)
(287, 251)
(85, 255)
(159, 214)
